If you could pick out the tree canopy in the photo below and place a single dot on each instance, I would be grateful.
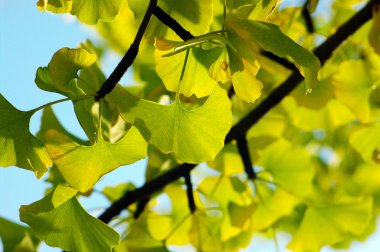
(255, 117)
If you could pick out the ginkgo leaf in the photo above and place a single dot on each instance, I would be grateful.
(68, 226)
(248, 35)
(244, 72)
(228, 161)
(64, 65)
(193, 135)
(17, 145)
(173, 228)
(12, 236)
(366, 141)
(329, 225)
(204, 232)
(263, 9)
(82, 166)
(290, 167)
(194, 15)
(90, 11)
(240, 215)
(374, 33)
(56, 6)
(224, 189)
(87, 11)
(353, 86)
(268, 211)
(196, 79)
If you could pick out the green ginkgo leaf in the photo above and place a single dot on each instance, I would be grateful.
(68, 225)
(56, 6)
(196, 79)
(194, 15)
(90, 11)
(243, 76)
(17, 145)
(290, 167)
(193, 135)
(268, 211)
(249, 36)
(82, 166)
(331, 224)
(87, 11)
(13, 237)
(366, 141)
(353, 86)
(64, 65)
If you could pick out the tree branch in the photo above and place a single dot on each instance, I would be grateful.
(129, 56)
(323, 52)
(244, 153)
(189, 192)
(308, 20)
(140, 207)
(172, 23)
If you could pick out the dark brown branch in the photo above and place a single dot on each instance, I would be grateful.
(145, 191)
(140, 208)
(308, 20)
(245, 156)
(129, 56)
(172, 23)
(323, 52)
(189, 193)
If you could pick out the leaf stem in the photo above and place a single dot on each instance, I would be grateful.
(81, 97)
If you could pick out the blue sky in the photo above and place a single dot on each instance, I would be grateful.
(28, 39)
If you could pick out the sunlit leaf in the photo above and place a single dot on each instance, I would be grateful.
(82, 166)
(366, 141)
(56, 6)
(290, 167)
(374, 33)
(90, 11)
(228, 161)
(244, 72)
(196, 79)
(65, 64)
(248, 35)
(116, 192)
(16, 238)
(352, 87)
(194, 15)
(193, 135)
(68, 226)
(331, 224)
(17, 145)
(274, 206)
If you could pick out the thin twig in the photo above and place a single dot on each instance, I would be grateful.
(129, 56)
(189, 192)
(141, 207)
(308, 20)
(172, 23)
(245, 156)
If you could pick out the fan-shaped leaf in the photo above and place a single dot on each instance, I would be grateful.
(68, 226)
(17, 145)
(82, 166)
